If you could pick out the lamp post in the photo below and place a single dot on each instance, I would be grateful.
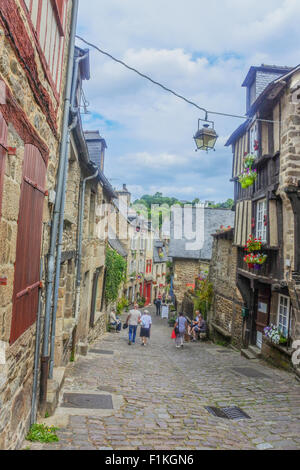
(206, 137)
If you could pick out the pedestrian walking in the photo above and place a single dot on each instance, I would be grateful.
(133, 321)
(157, 303)
(146, 323)
(180, 330)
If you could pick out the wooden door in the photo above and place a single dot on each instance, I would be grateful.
(263, 313)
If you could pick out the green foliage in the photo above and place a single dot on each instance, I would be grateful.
(141, 302)
(204, 297)
(224, 344)
(122, 305)
(172, 321)
(144, 207)
(42, 433)
(116, 268)
(221, 205)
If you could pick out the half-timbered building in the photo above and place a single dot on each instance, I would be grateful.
(268, 209)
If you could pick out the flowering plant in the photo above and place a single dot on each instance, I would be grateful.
(272, 333)
(247, 178)
(249, 160)
(253, 244)
(255, 260)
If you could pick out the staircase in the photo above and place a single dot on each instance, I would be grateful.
(252, 353)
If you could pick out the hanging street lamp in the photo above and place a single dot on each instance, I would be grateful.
(206, 137)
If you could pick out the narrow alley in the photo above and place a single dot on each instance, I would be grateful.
(159, 397)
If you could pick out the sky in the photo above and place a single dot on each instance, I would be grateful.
(202, 50)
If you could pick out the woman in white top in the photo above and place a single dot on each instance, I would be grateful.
(146, 322)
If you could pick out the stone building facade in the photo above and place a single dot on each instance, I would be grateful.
(32, 83)
(137, 238)
(81, 311)
(225, 317)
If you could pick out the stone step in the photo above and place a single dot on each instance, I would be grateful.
(248, 354)
(54, 388)
(255, 350)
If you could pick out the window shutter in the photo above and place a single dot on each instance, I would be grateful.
(3, 143)
(27, 266)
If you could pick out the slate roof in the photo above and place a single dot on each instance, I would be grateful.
(116, 244)
(274, 71)
(209, 220)
(95, 144)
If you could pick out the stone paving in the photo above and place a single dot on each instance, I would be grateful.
(160, 394)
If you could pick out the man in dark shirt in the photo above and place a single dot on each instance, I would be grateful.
(157, 302)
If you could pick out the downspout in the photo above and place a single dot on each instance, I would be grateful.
(74, 110)
(79, 243)
(59, 192)
(33, 414)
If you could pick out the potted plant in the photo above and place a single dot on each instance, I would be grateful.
(247, 178)
(255, 260)
(249, 160)
(272, 333)
(253, 244)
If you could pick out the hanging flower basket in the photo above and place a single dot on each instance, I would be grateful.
(248, 178)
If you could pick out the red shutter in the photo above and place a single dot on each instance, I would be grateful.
(3, 143)
(27, 266)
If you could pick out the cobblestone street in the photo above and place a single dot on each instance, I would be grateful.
(160, 394)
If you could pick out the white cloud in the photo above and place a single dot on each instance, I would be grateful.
(201, 50)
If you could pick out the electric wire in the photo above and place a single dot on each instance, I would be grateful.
(169, 90)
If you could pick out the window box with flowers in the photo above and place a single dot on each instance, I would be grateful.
(274, 337)
(254, 258)
(255, 261)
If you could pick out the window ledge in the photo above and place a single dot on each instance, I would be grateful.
(285, 350)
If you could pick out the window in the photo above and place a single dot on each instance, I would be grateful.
(254, 140)
(252, 93)
(283, 315)
(149, 267)
(142, 266)
(28, 253)
(261, 217)
(49, 18)
(134, 243)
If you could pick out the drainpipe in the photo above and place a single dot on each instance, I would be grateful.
(59, 193)
(59, 252)
(33, 414)
(79, 244)
(74, 110)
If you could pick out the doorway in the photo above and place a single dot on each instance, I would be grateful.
(263, 313)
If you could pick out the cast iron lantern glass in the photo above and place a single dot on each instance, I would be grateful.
(206, 137)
